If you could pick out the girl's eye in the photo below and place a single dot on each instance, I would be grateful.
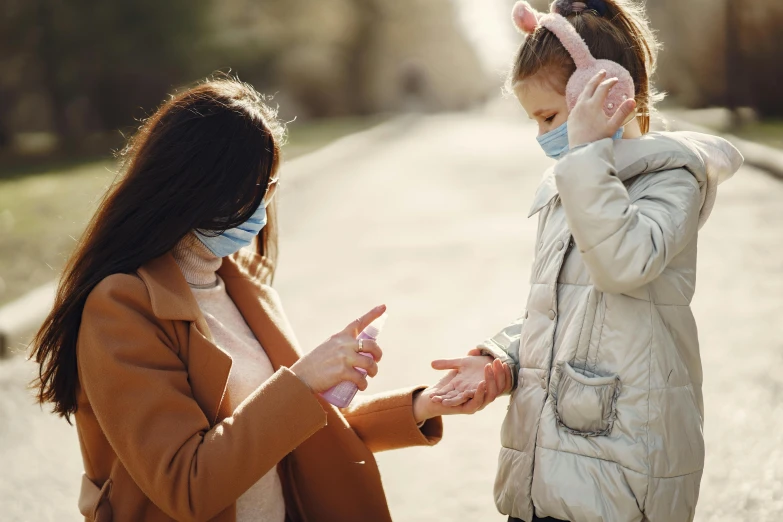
(550, 119)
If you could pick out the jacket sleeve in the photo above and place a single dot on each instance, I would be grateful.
(386, 422)
(505, 346)
(625, 243)
(138, 389)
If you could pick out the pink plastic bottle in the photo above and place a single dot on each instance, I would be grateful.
(342, 394)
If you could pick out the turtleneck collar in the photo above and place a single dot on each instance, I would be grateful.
(197, 263)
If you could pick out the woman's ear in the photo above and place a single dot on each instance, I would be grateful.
(525, 17)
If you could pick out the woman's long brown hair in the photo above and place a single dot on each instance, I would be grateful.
(622, 34)
(202, 161)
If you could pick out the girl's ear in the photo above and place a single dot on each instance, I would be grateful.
(525, 17)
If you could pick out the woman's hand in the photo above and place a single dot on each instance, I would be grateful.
(472, 383)
(336, 360)
(587, 121)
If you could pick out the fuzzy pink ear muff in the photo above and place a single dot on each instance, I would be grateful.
(587, 66)
(525, 17)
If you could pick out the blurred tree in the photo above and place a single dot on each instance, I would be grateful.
(760, 55)
(77, 68)
(715, 54)
(95, 62)
(16, 54)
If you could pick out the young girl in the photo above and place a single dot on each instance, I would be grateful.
(606, 412)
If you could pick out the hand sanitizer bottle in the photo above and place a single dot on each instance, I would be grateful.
(342, 394)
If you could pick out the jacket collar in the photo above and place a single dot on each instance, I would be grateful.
(546, 192)
(700, 154)
(170, 294)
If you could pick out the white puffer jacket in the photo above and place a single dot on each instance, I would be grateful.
(605, 419)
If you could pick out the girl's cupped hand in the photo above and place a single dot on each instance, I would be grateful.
(471, 384)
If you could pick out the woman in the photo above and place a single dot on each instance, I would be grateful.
(172, 352)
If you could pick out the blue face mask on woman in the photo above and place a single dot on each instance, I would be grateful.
(234, 239)
(555, 142)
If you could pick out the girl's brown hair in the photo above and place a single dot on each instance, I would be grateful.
(203, 161)
(619, 31)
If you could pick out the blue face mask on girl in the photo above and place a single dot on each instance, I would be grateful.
(234, 239)
(555, 142)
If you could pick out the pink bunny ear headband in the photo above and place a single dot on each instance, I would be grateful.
(527, 20)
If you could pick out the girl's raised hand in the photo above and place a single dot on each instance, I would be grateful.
(587, 121)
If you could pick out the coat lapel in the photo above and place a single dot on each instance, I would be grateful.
(208, 371)
(208, 365)
(260, 306)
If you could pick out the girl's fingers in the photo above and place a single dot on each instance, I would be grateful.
(490, 379)
(592, 85)
(478, 399)
(509, 377)
(500, 376)
(440, 392)
(623, 113)
(602, 91)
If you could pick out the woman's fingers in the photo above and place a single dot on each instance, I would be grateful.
(365, 363)
(356, 377)
(452, 394)
(442, 391)
(447, 364)
(458, 400)
(478, 398)
(356, 326)
(592, 85)
(371, 347)
(475, 351)
(623, 113)
(602, 91)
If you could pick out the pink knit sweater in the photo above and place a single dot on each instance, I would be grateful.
(250, 367)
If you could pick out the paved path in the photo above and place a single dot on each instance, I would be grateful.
(428, 216)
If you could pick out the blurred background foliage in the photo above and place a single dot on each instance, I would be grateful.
(76, 76)
(75, 71)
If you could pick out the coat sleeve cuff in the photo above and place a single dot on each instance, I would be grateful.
(386, 422)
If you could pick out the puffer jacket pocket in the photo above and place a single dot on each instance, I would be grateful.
(585, 403)
(94, 501)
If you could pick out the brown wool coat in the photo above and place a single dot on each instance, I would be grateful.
(162, 440)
